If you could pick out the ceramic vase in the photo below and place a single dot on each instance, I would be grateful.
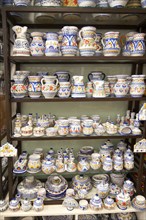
(137, 86)
(37, 47)
(102, 3)
(64, 89)
(138, 45)
(121, 88)
(52, 45)
(87, 126)
(110, 43)
(63, 127)
(21, 44)
(34, 87)
(19, 89)
(49, 86)
(69, 45)
(87, 44)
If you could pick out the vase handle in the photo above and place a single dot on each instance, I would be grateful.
(80, 35)
(42, 81)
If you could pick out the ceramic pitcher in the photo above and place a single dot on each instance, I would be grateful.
(96, 75)
(127, 42)
(138, 45)
(87, 45)
(110, 43)
(69, 45)
(49, 86)
(121, 88)
(34, 87)
(52, 45)
(137, 86)
(19, 89)
(78, 87)
(21, 44)
(98, 88)
(37, 47)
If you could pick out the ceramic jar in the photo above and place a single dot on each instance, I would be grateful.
(22, 2)
(48, 166)
(117, 3)
(98, 89)
(86, 3)
(87, 44)
(108, 164)
(89, 89)
(34, 87)
(109, 203)
(78, 87)
(62, 76)
(123, 200)
(104, 152)
(51, 3)
(96, 75)
(128, 187)
(25, 205)
(21, 45)
(121, 88)
(52, 44)
(114, 190)
(49, 86)
(87, 127)
(63, 127)
(129, 162)
(96, 203)
(138, 45)
(83, 204)
(18, 89)
(64, 89)
(38, 205)
(37, 47)
(69, 45)
(75, 127)
(110, 44)
(60, 166)
(34, 163)
(137, 86)
(83, 165)
(3, 205)
(14, 205)
(81, 182)
(95, 163)
(103, 189)
(118, 163)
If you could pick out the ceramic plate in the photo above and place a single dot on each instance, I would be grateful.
(101, 17)
(131, 17)
(137, 207)
(71, 17)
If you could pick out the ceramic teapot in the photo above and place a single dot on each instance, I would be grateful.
(21, 44)
(49, 86)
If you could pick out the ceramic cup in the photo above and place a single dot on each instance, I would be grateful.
(83, 204)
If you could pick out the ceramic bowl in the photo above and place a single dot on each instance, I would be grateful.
(26, 131)
(38, 131)
(51, 131)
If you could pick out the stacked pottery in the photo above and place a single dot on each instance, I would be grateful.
(37, 47)
(96, 203)
(137, 86)
(52, 44)
(69, 45)
(87, 45)
(121, 88)
(19, 89)
(34, 87)
(110, 44)
(49, 86)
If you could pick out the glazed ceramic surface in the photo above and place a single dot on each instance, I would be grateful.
(64, 89)
(102, 3)
(137, 86)
(75, 127)
(96, 75)
(86, 3)
(19, 89)
(49, 86)
(52, 45)
(138, 45)
(53, 3)
(81, 182)
(38, 204)
(78, 87)
(87, 127)
(117, 3)
(83, 165)
(62, 76)
(102, 190)
(70, 203)
(110, 44)
(121, 88)
(37, 47)
(123, 200)
(98, 88)
(96, 203)
(126, 51)
(34, 87)
(22, 2)
(34, 163)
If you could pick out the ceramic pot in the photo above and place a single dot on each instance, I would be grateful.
(118, 163)
(137, 86)
(110, 44)
(87, 45)
(48, 166)
(96, 75)
(128, 187)
(98, 89)
(138, 45)
(108, 164)
(51, 3)
(112, 81)
(64, 89)
(123, 200)
(117, 3)
(22, 2)
(38, 204)
(86, 3)
(78, 87)
(34, 87)
(71, 165)
(19, 89)
(121, 88)
(52, 45)
(87, 127)
(37, 47)
(63, 127)
(95, 163)
(96, 203)
(21, 45)
(81, 182)
(83, 165)
(62, 76)
(129, 162)
(69, 45)
(34, 163)
(128, 38)
(14, 205)
(75, 127)
(20, 166)
(109, 203)
(49, 86)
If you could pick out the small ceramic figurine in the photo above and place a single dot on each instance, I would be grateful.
(70, 203)
(25, 205)
(96, 203)
(14, 205)
(3, 205)
(38, 204)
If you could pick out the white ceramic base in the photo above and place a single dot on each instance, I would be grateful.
(78, 95)
(52, 54)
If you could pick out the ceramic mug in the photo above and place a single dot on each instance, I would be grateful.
(83, 204)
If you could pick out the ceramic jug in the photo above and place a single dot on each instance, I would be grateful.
(75, 127)
(64, 89)
(127, 41)
(19, 89)
(121, 87)
(34, 87)
(110, 43)
(49, 86)
(78, 87)
(21, 44)
(98, 88)
(87, 45)
(62, 76)
(52, 45)
(138, 45)
(96, 75)
(87, 126)
(137, 86)
(69, 45)
(37, 47)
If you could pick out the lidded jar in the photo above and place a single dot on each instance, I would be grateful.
(96, 202)
(80, 182)
(109, 203)
(108, 164)
(128, 187)
(118, 163)
(103, 189)
(123, 200)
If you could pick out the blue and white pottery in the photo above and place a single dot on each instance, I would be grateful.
(102, 3)
(137, 86)
(7, 2)
(63, 76)
(34, 87)
(129, 162)
(64, 89)
(83, 165)
(126, 50)
(14, 205)
(26, 205)
(109, 203)
(87, 3)
(37, 47)
(22, 2)
(51, 3)
(108, 164)
(52, 45)
(138, 45)
(69, 44)
(78, 87)
(117, 3)
(38, 204)
(103, 190)
(118, 163)
(143, 3)
(110, 43)
(3, 205)
(96, 203)
(128, 187)
(121, 87)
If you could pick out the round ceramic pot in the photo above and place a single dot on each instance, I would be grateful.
(19, 89)
(123, 200)
(48, 166)
(81, 182)
(37, 47)
(52, 45)
(137, 87)
(34, 87)
(121, 88)
(22, 2)
(64, 89)
(75, 127)
(86, 3)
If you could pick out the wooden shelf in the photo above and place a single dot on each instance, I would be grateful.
(57, 99)
(69, 137)
(77, 59)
